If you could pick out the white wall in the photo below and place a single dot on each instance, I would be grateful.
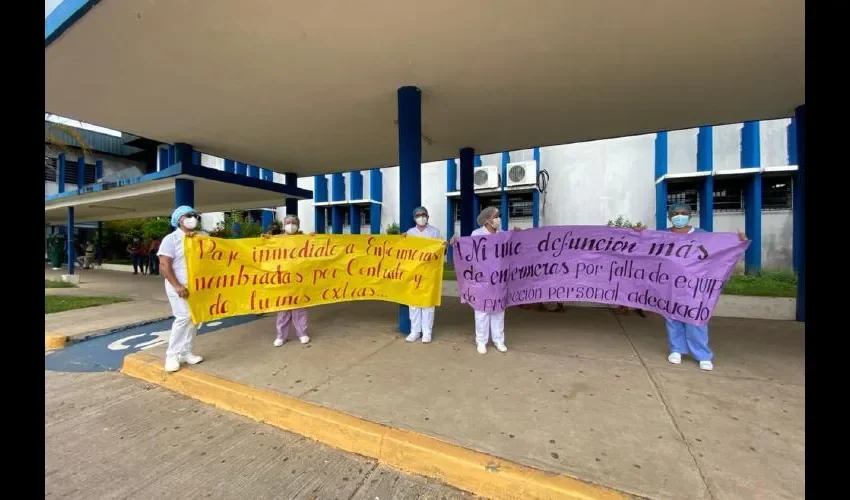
(113, 168)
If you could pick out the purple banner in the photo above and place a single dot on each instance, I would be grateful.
(679, 276)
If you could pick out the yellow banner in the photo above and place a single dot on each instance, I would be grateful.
(260, 275)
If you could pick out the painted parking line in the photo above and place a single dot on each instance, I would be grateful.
(107, 353)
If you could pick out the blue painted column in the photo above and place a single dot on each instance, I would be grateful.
(476, 201)
(99, 243)
(660, 187)
(241, 168)
(356, 183)
(467, 191)
(196, 158)
(337, 194)
(409, 169)
(81, 172)
(71, 242)
(254, 171)
(751, 158)
(171, 157)
(705, 163)
(60, 173)
(291, 179)
(451, 186)
(98, 170)
(230, 166)
(799, 207)
(503, 208)
(376, 194)
(535, 195)
(163, 159)
(320, 195)
(184, 189)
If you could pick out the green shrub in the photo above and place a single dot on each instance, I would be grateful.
(393, 228)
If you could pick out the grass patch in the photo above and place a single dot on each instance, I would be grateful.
(59, 303)
(58, 284)
(768, 284)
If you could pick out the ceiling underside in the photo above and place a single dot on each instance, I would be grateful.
(310, 87)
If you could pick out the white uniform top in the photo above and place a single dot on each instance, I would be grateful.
(481, 231)
(172, 246)
(429, 232)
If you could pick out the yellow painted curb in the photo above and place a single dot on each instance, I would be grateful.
(407, 451)
(54, 341)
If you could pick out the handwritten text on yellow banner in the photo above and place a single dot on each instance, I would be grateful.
(256, 275)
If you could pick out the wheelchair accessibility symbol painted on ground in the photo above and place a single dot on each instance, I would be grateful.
(107, 353)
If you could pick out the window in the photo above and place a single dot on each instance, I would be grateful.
(51, 170)
(729, 193)
(777, 193)
(365, 215)
(490, 201)
(685, 193)
(521, 206)
(456, 211)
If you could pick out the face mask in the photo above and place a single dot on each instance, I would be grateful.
(421, 220)
(680, 221)
(496, 223)
(290, 228)
(190, 223)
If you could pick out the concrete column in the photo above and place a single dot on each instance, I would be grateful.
(81, 172)
(320, 195)
(184, 189)
(99, 243)
(98, 170)
(705, 163)
(172, 156)
(376, 194)
(535, 195)
(467, 191)
(503, 208)
(71, 242)
(356, 193)
(291, 179)
(660, 185)
(60, 172)
(751, 158)
(337, 194)
(799, 202)
(162, 154)
(451, 186)
(410, 169)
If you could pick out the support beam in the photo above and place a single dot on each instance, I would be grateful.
(196, 158)
(799, 207)
(254, 171)
(409, 169)
(291, 179)
(451, 186)
(230, 166)
(503, 207)
(376, 194)
(171, 158)
(162, 162)
(70, 241)
(535, 195)
(751, 158)
(241, 168)
(660, 186)
(60, 172)
(467, 191)
(705, 163)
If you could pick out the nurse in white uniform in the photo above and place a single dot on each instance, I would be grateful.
(422, 318)
(172, 264)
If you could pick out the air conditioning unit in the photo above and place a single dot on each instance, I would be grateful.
(486, 177)
(522, 173)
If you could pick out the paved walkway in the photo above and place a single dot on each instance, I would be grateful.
(109, 436)
(583, 393)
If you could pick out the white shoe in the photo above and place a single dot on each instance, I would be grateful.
(426, 338)
(482, 348)
(305, 339)
(675, 358)
(277, 342)
(190, 359)
(413, 337)
(172, 364)
(501, 347)
(706, 365)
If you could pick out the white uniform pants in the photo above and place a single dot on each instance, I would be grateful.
(183, 331)
(490, 325)
(422, 320)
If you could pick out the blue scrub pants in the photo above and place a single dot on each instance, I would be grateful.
(685, 338)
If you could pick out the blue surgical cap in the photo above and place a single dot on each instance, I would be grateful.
(419, 210)
(180, 212)
(676, 207)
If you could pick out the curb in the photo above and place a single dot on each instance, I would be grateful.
(407, 451)
(52, 339)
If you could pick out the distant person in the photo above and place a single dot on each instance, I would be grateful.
(172, 262)
(685, 338)
(489, 325)
(90, 252)
(296, 317)
(422, 318)
(133, 249)
(144, 260)
(153, 256)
